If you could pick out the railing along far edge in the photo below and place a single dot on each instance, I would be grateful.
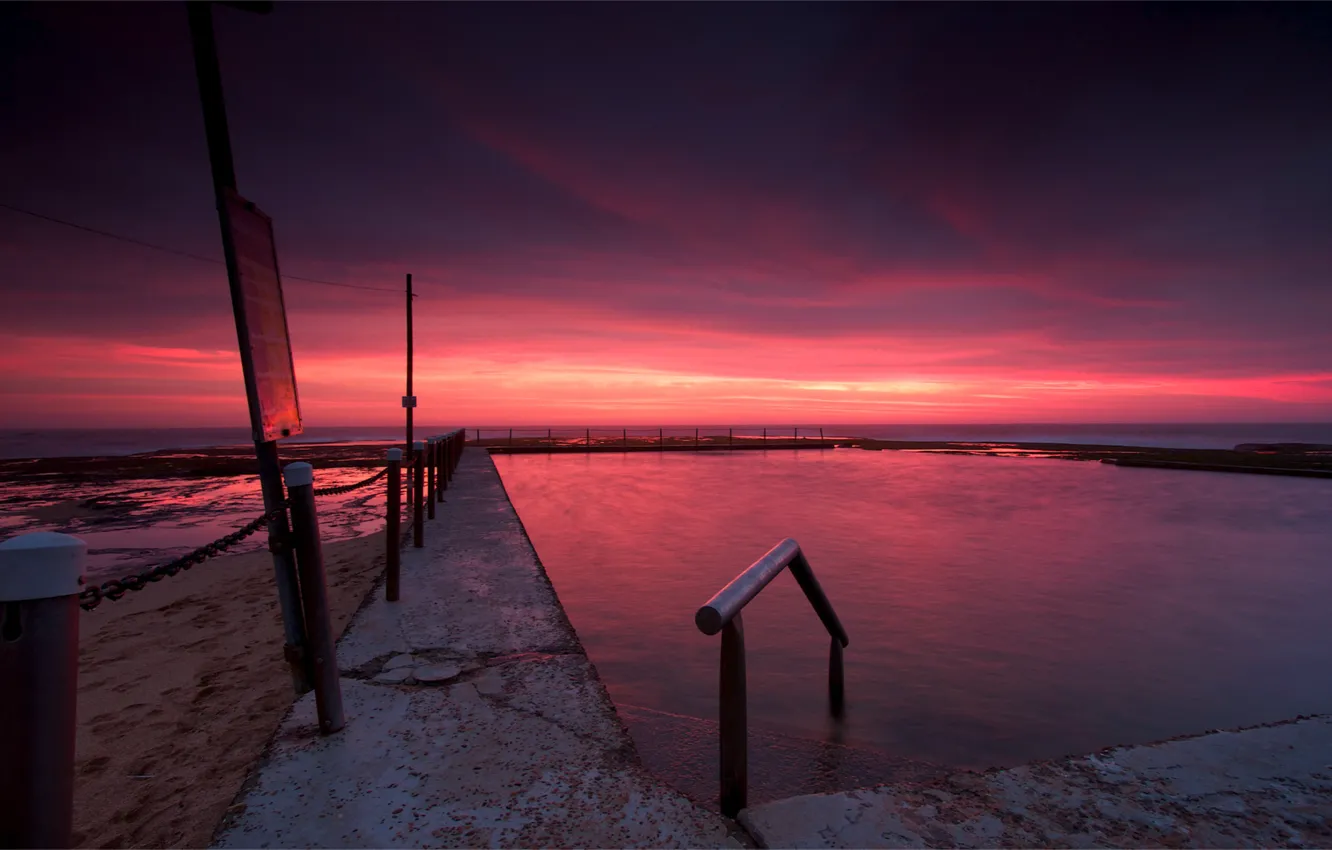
(722, 614)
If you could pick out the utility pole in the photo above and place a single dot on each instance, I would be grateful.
(409, 400)
(270, 472)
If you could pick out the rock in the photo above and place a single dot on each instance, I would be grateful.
(436, 672)
(400, 661)
(1284, 448)
(393, 677)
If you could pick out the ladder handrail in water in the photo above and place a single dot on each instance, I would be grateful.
(722, 614)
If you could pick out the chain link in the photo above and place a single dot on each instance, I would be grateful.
(347, 488)
(116, 588)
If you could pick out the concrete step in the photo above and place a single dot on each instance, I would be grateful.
(682, 751)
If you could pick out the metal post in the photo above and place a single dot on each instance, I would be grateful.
(314, 595)
(820, 434)
(550, 442)
(730, 437)
(393, 534)
(625, 435)
(661, 440)
(733, 726)
(836, 681)
(418, 515)
(795, 433)
(765, 436)
(510, 436)
(589, 438)
(445, 466)
(41, 575)
(432, 461)
(209, 76)
(695, 438)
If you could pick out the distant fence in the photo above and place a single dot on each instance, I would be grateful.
(662, 436)
(42, 591)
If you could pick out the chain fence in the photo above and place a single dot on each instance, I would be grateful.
(114, 589)
(347, 488)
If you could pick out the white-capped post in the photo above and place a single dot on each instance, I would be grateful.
(41, 576)
(418, 474)
(319, 644)
(393, 533)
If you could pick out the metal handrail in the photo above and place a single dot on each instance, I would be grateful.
(722, 614)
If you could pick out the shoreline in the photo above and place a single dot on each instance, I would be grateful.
(236, 461)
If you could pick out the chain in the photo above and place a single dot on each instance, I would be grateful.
(347, 488)
(116, 588)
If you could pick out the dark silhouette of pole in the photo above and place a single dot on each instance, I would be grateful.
(409, 402)
(270, 470)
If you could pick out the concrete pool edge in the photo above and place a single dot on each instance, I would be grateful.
(474, 715)
(1254, 786)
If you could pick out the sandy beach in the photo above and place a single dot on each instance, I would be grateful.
(180, 687)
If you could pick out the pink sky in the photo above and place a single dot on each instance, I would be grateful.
(986, 226)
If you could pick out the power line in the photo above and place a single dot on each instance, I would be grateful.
(185, 254)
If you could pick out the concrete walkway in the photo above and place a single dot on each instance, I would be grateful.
(1268, 786)
(474, 717)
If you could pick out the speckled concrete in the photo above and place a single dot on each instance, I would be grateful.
(474, 718)
(1266, 786)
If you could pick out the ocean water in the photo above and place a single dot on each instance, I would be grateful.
(1000, 610)
(20, 443)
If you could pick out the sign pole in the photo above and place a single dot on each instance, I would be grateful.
(270, 471)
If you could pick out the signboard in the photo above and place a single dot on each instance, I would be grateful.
(261, 320)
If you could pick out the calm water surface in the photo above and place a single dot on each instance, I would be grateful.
(1000, 610)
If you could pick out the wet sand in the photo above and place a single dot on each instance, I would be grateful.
(181, 685)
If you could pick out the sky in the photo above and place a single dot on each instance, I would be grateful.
(653, 213)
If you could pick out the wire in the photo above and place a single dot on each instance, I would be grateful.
(187, 254)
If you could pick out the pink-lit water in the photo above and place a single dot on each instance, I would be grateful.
(1000, 610)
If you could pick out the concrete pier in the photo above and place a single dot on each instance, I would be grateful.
(474, 718)
(1268, 786)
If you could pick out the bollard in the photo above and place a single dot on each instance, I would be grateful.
(445, 470)
(319, 643)
(41, 575)
(432, 463)
(393, 536)
(418, 475)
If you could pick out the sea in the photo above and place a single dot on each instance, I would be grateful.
(89, 442)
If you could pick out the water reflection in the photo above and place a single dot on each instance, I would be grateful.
(999, 610)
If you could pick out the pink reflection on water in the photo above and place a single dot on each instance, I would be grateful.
(999, 610)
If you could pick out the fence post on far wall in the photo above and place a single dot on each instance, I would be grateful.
(41, 575)
(510, 436)
(730, 437)
(625, 435)
(695, 438)
(393, 534)
(323, 658)
(589, 438)
(765, 436)
(820, 434)
(661, 440)
(795, 433)
(418, 474)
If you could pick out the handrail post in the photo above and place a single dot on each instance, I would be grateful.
(418, 473)
(393, 533)
(41, 575)
(314, 597)
(733, 711)
(836, 680)
(432, 462)
(451, 443)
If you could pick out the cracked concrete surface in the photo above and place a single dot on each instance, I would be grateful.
(474, 718)
(1259, 787)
